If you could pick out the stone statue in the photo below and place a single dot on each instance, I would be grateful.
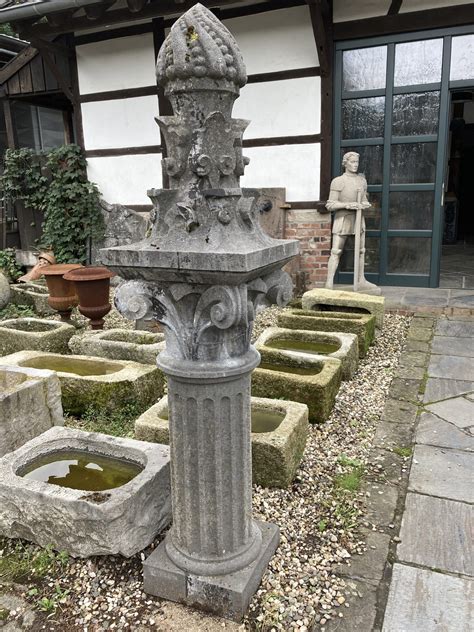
(348, 199)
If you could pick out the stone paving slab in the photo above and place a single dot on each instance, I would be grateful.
(392, 435)
(425, 601)
(435, 431)
(439, 388)
(451, 367)
(370, 565)
(447, 543)
(362, 598)
(399, 411)
(453, 346)
(443, 473)
(403, 389)
(458, 411)
(455, 328)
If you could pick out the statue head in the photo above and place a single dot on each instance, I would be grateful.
(350, 161)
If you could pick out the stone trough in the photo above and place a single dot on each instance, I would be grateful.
(321, 299)
(120, 344)
(19, 334)
(91, 381)
(279, 433)
(30, 403)
(363, 325)
(276, 344)
(312, 381)
(35, 295)
(38, 506)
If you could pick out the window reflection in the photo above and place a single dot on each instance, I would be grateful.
(411, 210)
(462, 58)
(415, 113)
(418, 62)
(409, 255)
(413, 162)
(363, 118)
(364, 68)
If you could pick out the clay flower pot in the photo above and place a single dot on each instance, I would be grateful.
(62, 293)
(92, 286)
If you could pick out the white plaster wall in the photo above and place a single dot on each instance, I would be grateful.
(120, 123)
(295, 167)
(422, 5)
(276, 40)
(281, 108)
(126, 179)
(344, 10)
(125, 62)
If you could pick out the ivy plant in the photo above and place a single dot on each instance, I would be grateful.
(9, 265)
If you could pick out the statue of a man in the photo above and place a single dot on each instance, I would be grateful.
(348, 193)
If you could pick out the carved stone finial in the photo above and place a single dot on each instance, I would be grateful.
(199, 48)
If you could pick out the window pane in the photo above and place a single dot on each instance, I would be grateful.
(413, 162)
(363, 118)
(415, 113)
(411, 210)
(418, 62)
(372, 214)
(364, 68)
(462, 57)
(27, 127)
(52, 127)
(409, 255)
(372, 258)
(370, 161)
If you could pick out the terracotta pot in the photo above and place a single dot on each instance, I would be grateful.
(92, 286)
(62, 293)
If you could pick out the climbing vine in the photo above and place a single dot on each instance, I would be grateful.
(55, 183)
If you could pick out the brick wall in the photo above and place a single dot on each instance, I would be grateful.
(313, 229)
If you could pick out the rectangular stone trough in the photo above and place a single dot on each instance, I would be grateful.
(279, 433)
(276, 344)
(91, 381)
(120, 344)
(34, 295)
(321, 299)
(313, 381)
(363, 325)
(30, 404)
(36, 334)
(120, 520)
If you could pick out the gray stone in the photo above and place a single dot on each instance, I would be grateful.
(455, 328)
(388, 466)
(421, 334)
(413, 358)
(381, 506)
(362, 599)
(447, 345)
(410, 372)
(451, 367)
(399, 411)
(432, 430)
(19, 334)
(404, 389)
(417, 345)
(122, 225)
(438, 388)
(4, 290)
(34, 295)
(392, 435)
(120, 344)
(442, 472)
(321, 299)
(30, 404)
(458, 411)
(123, 520)
(426, 601)
(446, 545)
(370, 565)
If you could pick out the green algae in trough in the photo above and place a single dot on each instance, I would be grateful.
(304, 346)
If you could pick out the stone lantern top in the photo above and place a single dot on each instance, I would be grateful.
(200, 53)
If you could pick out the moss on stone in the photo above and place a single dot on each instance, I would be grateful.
(321, 299)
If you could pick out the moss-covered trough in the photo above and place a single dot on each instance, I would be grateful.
(120, 344)
(34, 334)
(321, 299)
(34, 295)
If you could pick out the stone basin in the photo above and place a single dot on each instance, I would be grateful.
(120, 344)
(363, 325)
(321, 299)
(311, 381)
(279, 433)
(18, 334)
(30, 404)
(275, 344)
(92, 381)
(121, 520)
(34, 295)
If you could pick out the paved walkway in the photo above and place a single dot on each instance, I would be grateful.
(432, 587)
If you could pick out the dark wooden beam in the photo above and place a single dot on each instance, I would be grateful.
(282, 140)
(54, 68)
(17, 63)
(108, 34)
(124, 93)
(10, 127)
(123, 151)
(394, 7)
(321, 19)
(405, 22)
(77, 112)
(282, 75)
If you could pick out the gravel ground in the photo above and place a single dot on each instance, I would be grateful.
(320, 525)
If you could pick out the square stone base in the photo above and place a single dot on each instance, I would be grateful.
(224, 595)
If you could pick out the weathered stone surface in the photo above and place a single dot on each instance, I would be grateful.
(404, 389)
(276, 454)
(120, 344)
(447, 544)
(382, 503)
(399, 411)
(410, 372)
(423, 600)
(4, 290)
(363, 325)
(414, 358)
(122, 521)
(420, 334)
(348, 352)
(30, 403)
(433, 430)
(18, 334)
(458, 411)
(451, 367)
(321, 299)
(455, 328)
(439, 388)
(34, 295)
(362, 599)
(370, 565)
(392, 435)
(448, 345)
(417, 345)
(318, 391)
(442, 472)
(89, 381)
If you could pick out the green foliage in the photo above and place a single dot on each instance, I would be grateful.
(7, 29)
(55, 183)
(322, 525)
(9, 265)
(17, 311)
(20, 561)
(119, 423)
(403, 451)
(351, 480)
